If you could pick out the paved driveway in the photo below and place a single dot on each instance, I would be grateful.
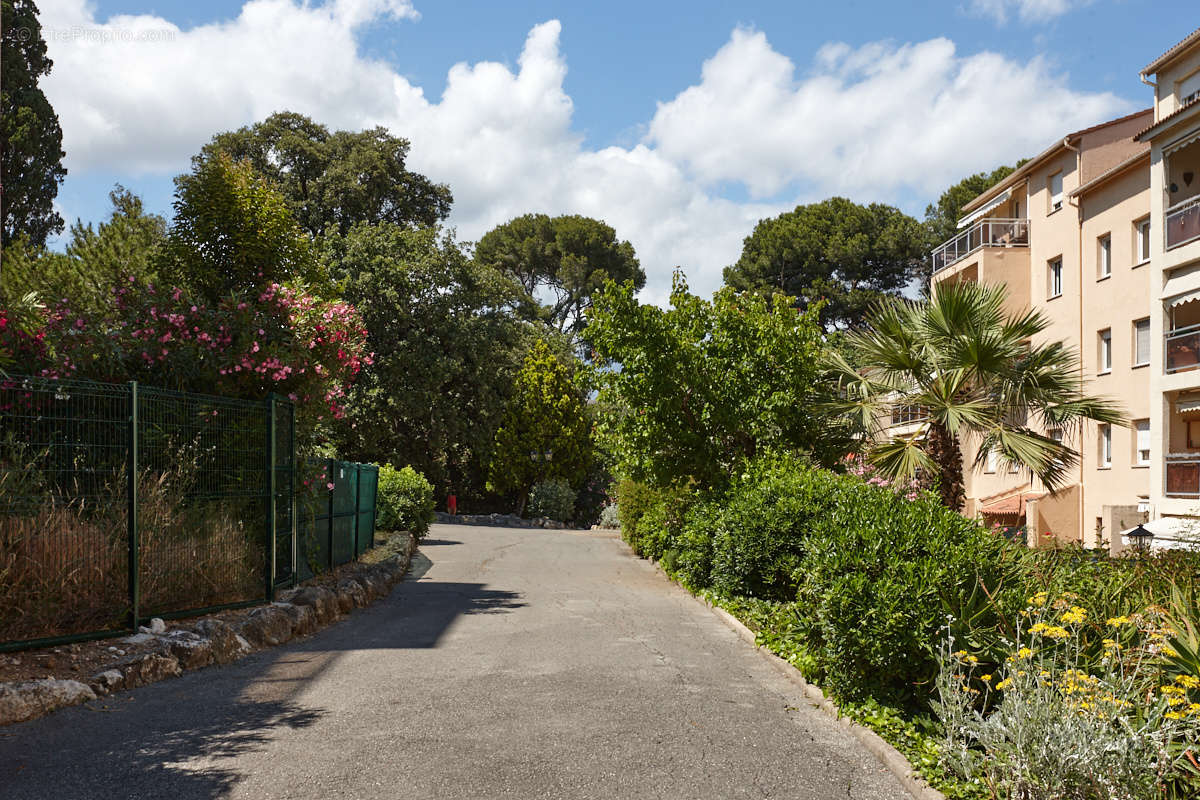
(511, 663)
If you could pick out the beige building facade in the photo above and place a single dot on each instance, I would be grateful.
(1100, 232)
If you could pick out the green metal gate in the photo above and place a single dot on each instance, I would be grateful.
(336, 521)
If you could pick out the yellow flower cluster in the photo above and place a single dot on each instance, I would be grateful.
(1075, 616)
(1050, 631)
(1115, 622)
(1038, 599)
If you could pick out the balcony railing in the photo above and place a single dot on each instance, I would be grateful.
(1182, 349)
(1182, 222)
(984, 233)
(1183, 475)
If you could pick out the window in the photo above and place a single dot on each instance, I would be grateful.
(990, 465)
(1141, 442)
(1055, 186)
(1106, 350)
(1055, 288)
(1142, 238)
(1105, 446)
(1104, 255)
(1141, 342)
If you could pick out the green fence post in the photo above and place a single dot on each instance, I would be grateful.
(357, 506)
(329, 465)
(292, 493)
(271, 555)
(132, 515)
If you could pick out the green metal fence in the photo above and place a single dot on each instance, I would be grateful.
(121, 502)
(336, 520)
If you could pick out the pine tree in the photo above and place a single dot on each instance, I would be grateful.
(31, 146)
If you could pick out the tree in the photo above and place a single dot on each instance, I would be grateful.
(331, 181)
(834, 251)
(703, 385)
(971, 368)
(545, 432)
(568, 258)
(941, 218)
(446, 352)
(31, 141)
(232, 231)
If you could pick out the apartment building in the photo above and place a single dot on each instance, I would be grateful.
(1101, 233)
(1174, 277)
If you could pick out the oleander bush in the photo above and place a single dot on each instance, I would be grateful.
(405, 501)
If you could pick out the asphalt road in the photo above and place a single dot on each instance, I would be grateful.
(511, 663)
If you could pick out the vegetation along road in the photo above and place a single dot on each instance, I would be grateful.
(511, 663)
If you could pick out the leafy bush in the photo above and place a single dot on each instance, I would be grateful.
(405, 501)
(553, 498)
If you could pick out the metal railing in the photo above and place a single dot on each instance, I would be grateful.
(1181, 222)
(1182, 349)
(983, 233)
(122, 502)
(1182, 475)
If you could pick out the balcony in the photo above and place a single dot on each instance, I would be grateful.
(1183, 475)
(984, 233)
(1182, 222)
(1182, 349)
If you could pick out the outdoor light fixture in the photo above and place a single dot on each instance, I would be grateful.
(549, 454)
(1140, 538)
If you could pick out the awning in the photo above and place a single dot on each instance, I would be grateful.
(1187, 407)
(1186, 297)
(1000, 200)
(1182, 143)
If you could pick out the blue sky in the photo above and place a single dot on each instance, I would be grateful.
(680, 123)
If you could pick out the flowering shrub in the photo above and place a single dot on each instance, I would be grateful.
(279, 339)
(856, 465)
(1052, 721)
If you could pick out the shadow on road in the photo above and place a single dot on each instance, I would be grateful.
(170, 739)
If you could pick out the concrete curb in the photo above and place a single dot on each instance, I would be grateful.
(891, 758)
(176, 651)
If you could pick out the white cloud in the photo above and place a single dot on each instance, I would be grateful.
(1026, 10)
(865, 121)
(136, 94)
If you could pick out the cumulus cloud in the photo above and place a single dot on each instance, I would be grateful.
(865, 120)
(136, 94)
(1025, 10)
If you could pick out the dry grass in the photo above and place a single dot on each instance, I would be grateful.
(64, 567)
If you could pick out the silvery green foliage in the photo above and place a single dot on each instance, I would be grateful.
(608, 516)
(553, 498)
(1064, 729)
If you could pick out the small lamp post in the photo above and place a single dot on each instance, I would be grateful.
(549, 454)
(1140, 538)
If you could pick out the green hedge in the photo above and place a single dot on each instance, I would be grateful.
(405, 501)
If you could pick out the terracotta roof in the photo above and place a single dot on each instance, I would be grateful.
(1158, 63)
(1157, 126)
(1012, 505)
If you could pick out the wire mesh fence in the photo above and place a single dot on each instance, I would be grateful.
(121, 502)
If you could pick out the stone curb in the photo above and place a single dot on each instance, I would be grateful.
(299, 612)
(500, 521)
(890, 757)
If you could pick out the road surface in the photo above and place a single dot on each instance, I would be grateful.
(509, 664)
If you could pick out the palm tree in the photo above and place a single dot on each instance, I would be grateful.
(975, 373)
